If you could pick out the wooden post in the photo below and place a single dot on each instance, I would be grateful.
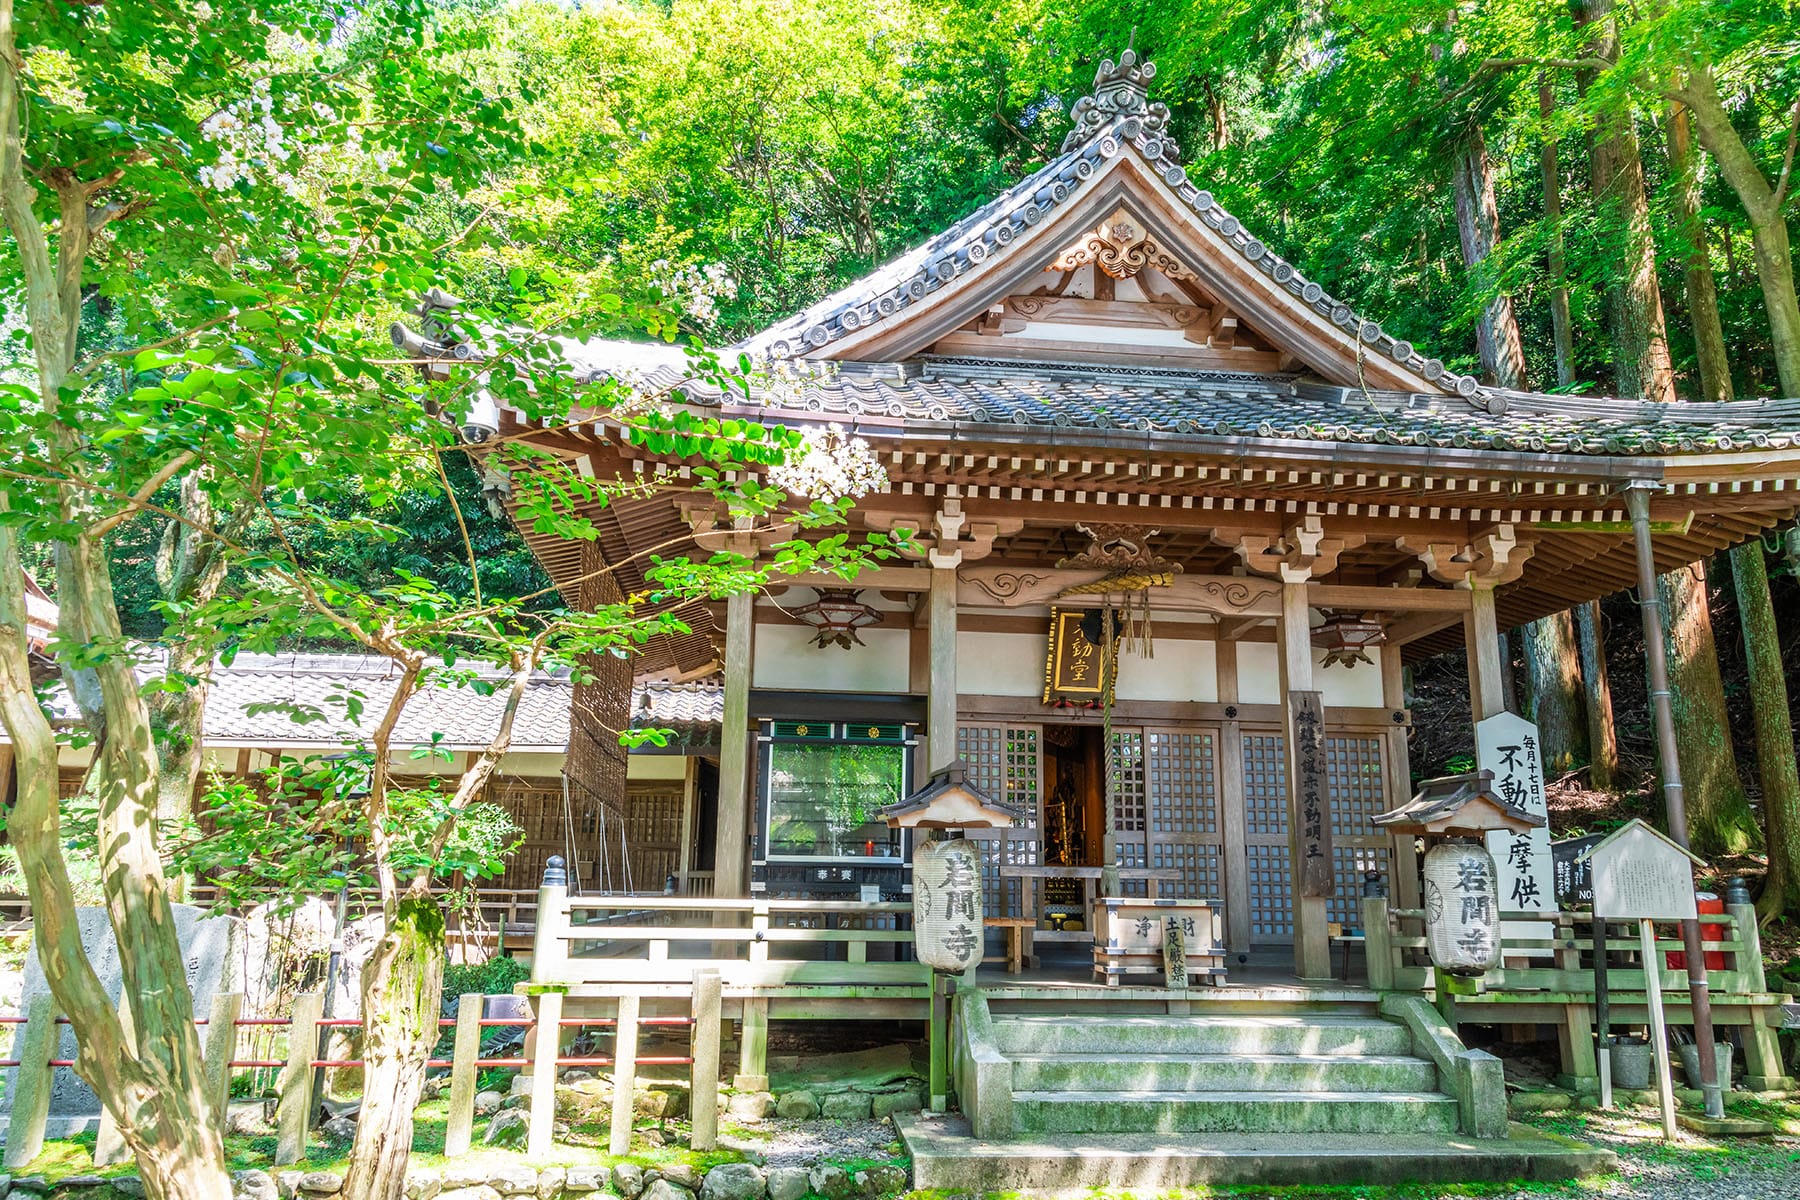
(940, 1042)
(547, 1024)
(459, 1123)
(1312, 942)
(1378, 946)
(940, 713)
(33, 1045)
(1233, 822)
(684, 860)
(109, 1143)
(1749, 964)
(293, 1109)
(218, 1049)
(625, 1038)
(1481, 635)
(1659, 1029)
(1404, 866)
(549, 937)
(703, 1097)
(753, 1046)
(730, 868)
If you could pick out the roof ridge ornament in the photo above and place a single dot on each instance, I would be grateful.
(1121, 92)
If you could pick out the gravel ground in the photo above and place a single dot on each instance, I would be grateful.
(799, 1143)
(1695, 1168)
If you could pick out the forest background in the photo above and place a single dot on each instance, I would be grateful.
(1513, 184)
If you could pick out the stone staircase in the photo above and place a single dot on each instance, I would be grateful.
(1295, 1072)
(1378, 1091)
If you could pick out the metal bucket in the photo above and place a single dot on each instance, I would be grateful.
(1690, 1063)
(1631, 1064)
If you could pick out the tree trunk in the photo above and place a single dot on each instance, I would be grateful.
(1603, 737)
(1561, 324)
(1554, 664)
(1719, 817)
(1775, 765)
(1634, 310)
(1696, 264)
(1763, 205)
(1478, 227)
(402, 987)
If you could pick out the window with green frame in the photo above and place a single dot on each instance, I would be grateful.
(823, 796)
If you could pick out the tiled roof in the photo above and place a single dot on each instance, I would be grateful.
(674, 705)
(966, 396)
(313, 682)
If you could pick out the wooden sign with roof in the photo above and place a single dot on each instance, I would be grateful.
(1458, 806)
(1105, 344)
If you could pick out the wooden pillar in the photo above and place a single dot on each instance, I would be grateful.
(940, 714)
(1312, 945)
(1403, 880)
(731, 866)
(1481, 640)
(684, 860)
(1233, 822)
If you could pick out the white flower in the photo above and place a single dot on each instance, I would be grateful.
(831, 465)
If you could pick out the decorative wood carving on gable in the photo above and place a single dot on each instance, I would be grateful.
(1122, 245)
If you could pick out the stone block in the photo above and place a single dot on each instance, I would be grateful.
(787, 1183)
(662, 1189)
(797, 1106)
(889, 1103)
(423, 1184)
(833, 1183)
(734, 1181)
(751, 1106)
(212, 952)
(682, 1175)
(245, 1185)
(287, 1183)
(628, 1180)
(885, 1180)
(588, 1179)
(550, 1182)
(320, 1183)
(846, 1106)
(513, 1181)
(508, 1127)
(487, 1102)
(477, 1191)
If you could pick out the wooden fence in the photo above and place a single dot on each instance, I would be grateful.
(37, 1033)
(1551, 979)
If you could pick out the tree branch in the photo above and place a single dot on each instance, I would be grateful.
(1787, 159)
(138, 498)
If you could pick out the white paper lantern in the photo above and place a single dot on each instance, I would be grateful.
(947, 932)
(1462, 908)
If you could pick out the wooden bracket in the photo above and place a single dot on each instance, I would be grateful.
(1304, 551)
(1491, 559)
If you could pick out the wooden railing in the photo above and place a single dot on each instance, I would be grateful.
(750, 943)
(1563, 962)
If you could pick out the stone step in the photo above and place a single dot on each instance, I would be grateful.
(946, 1156)
(1236, 1112)
(1141, 1035)
(1223, 1073)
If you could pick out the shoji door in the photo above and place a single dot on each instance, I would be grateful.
(1005, 761)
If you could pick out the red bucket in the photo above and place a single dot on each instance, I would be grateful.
(1710, 931)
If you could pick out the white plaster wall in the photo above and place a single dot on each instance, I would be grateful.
(785, 657)
(1181, 670)
(999, 664)
(1259, 678)
(1354, 687)
(1259, 673)
(656, 766)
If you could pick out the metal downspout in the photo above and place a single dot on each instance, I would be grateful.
(1637, 501)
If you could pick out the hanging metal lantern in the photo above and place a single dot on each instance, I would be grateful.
(947, 931)
(1462, 908)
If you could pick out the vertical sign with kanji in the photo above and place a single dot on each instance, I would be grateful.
(1314, 873)
(1507, 744)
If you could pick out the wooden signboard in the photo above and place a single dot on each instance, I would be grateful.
(1507, 745)
(1075, 669)
(1574, 875)
(1175, 957)
(1306, 718)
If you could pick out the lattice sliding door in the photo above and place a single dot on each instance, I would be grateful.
(1130, 801)
(1006, 762)
(1267, 868)
(1356, 784)
(1181, 784)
